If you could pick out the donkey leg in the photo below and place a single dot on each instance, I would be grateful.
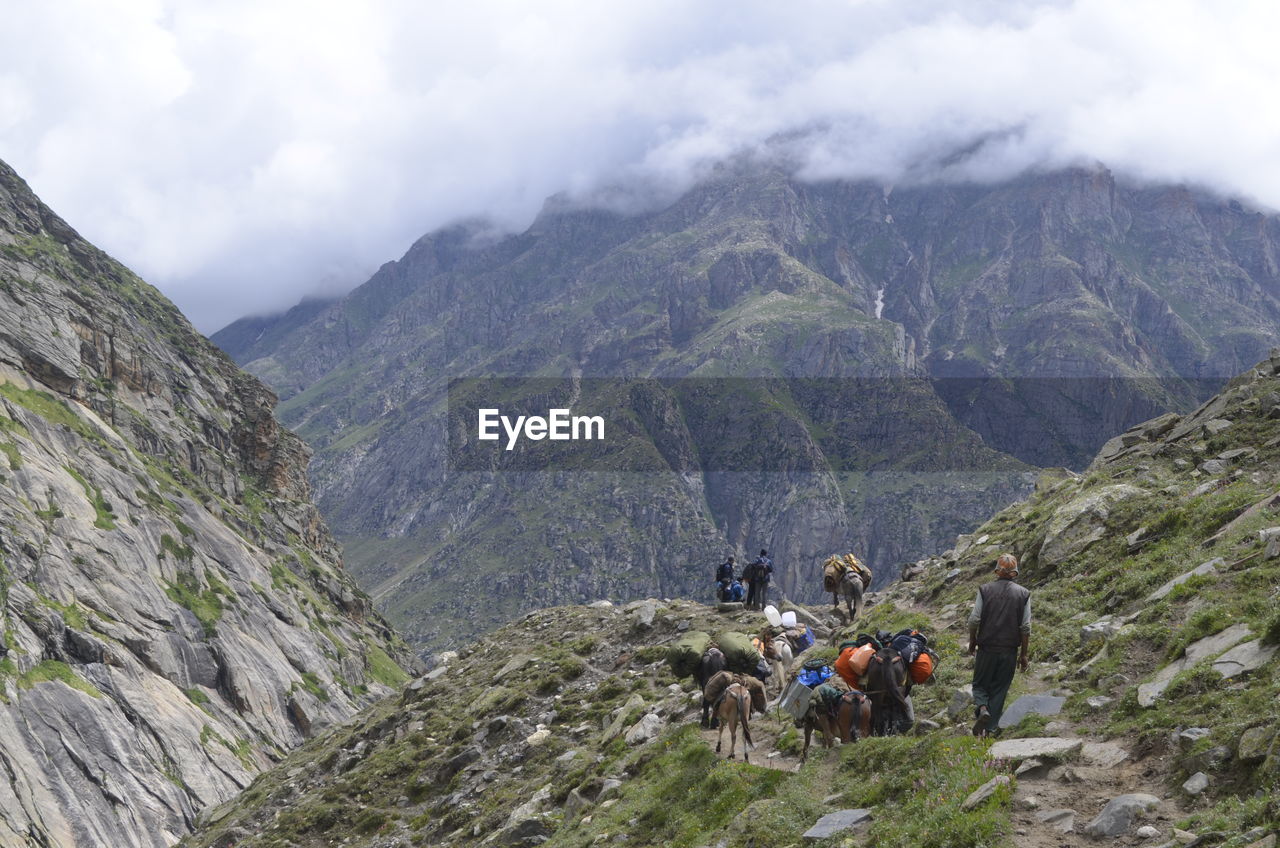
(720, 737)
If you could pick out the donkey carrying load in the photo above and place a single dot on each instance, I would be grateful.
(846, 577)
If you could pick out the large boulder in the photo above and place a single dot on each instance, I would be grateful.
(1081, 521)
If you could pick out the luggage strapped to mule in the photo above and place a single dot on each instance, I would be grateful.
(795, 700)
(800, 637)
(918, 657)
(814, 673)
(685, 653)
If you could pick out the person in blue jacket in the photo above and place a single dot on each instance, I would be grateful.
(724, 579)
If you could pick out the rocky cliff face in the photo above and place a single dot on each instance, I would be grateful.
(175, 614)
(1039, 315)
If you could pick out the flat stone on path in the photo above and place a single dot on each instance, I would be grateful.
(1043, 747)
(1031, 705)
(1063, 821)
(1104, 754)
(833, 823)
(1119, 815)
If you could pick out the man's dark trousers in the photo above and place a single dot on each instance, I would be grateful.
(992, 676)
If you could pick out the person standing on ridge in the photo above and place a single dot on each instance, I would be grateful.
(761, 570)
(999, 633)
(724, 578)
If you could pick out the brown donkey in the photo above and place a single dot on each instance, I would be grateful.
(735, 706)
(851, 722)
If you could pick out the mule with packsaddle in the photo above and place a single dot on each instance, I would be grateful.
(866, 692)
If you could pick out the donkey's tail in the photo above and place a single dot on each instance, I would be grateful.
(744, 708)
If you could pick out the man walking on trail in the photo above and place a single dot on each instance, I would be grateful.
(761, 570)
(999, 632)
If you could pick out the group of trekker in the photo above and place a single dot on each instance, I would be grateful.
(755, 576)
(999, 639)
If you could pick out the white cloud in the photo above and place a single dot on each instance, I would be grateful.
(240, 154)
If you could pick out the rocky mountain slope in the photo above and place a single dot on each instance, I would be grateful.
(1156, 598)
(1041, 315)
(175, 616)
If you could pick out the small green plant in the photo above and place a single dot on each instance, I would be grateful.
(204, 604)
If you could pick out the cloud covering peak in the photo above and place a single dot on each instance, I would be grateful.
(241, 154)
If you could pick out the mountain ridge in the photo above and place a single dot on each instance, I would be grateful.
(175, 613)
(1045, 313)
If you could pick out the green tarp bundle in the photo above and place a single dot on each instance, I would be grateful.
(684, 655)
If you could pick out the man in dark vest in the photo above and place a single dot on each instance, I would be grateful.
(999, 632)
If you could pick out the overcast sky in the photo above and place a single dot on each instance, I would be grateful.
(240, 154)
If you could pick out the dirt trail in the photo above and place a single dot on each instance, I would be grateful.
(765, 732)
(1053, 805)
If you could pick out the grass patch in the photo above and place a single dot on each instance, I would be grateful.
(106, 519)
(204, 603)
(382, 668)
(57, 670)
(50, 409)
(917, 786)
(681, 793)
(179, 551)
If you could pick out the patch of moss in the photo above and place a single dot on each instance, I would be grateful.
(204, 603)
(180, 552)
(57, 670)
(50, 409)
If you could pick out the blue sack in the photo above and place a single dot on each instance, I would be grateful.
(812, 677)
(805, 641)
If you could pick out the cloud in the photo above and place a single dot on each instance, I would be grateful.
(241, 154)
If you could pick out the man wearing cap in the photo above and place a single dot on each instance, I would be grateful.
(999, 633)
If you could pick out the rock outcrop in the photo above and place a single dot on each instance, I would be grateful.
(175, 616)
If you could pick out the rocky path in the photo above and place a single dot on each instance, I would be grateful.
(1082, 788)
(1073, 787)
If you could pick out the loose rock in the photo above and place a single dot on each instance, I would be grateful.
(1196, 784)
(837, 822)
(1119, 815)
(984, 792)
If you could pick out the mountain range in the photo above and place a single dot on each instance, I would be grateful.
(970, 334)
